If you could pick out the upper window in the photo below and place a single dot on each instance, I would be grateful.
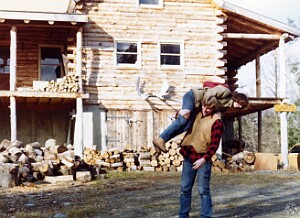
(4, 59)
(151, 3)
(127, 53)
(171, 54)
(51, 64)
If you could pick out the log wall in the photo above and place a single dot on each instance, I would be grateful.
(28, 41)
(193, 23)
(131, 121)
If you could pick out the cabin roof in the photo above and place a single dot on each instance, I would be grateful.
(240, 50)
(263, 36)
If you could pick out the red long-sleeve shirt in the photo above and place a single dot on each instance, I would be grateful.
(217, 130)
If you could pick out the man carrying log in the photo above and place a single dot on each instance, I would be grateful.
(198, 146)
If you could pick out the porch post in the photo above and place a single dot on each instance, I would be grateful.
(78, 136)
(12, 82)
(282, 94)
(258, 95)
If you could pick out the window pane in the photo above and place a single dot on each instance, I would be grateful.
(149, 2)
(126, 59)
(169, 60)
(48, 73)
(169, 48)
(126, 47)
(51, 63)
(51, 55)
(4, 59)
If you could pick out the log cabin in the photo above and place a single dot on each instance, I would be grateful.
(112, 73)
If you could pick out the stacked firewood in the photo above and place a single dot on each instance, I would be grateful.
(69, 83)
(21, 163)
(110, 159)
(240, 162)
(146, 158)
(170, 161)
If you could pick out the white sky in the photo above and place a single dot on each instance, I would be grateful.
(280, 10)
(277, 9)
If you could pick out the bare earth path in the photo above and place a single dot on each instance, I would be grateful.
(156, 194)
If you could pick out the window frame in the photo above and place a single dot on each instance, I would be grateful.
(160, 4)
(181, 55)
(61, 47)
(138, 53)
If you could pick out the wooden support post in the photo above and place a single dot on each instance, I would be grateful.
(258, 95)
(282, 94)
(240, 133)
(78, 136)
(12, 82)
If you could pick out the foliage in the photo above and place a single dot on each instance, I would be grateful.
(293, 126)
(270, 132)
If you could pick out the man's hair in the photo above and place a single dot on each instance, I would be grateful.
(241, 98)
(211, 102)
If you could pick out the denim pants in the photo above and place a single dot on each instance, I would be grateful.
(187, 181)
(181, 124)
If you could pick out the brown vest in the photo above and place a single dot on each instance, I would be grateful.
(199, 136)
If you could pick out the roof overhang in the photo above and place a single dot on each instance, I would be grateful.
(258, 34)
(36, 16)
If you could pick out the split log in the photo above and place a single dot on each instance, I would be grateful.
(5, 144)
(9, 175)
(148, 168)
(154, 163)
(144, 156)
(4, 158)
(115, 165)
(249, 158)
(176, 162)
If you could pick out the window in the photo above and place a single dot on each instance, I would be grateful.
(171, 54)
(51, 64)
(4, 59)
(151, 3)
(127, 53)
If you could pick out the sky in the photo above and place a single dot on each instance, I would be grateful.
(280, 10)
(277, 9)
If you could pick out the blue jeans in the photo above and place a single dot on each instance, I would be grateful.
(181, 124)
(187, 181)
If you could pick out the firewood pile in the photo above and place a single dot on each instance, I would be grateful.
(20, 163)
(147, 159)
(69, 83)
(240, 162)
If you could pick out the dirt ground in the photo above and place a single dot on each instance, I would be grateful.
(155, 194)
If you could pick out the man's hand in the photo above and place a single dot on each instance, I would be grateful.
(198, 163)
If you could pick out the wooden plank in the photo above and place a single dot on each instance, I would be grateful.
(34, 94)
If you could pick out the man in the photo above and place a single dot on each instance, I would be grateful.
(198, 146)
(191, 102)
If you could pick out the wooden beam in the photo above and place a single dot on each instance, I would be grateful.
(12, 82)
(36, 94)
(12, 15)
(78, 136)
(250, 36)
(258, 94)
(282, 93)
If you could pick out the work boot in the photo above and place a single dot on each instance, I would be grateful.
(159, 144)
